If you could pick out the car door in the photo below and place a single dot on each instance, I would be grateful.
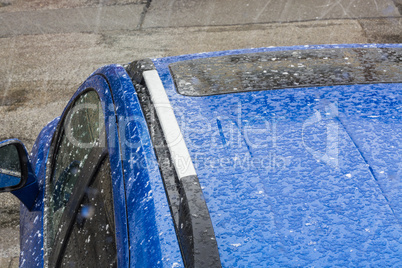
(101, 131)
(74, 212)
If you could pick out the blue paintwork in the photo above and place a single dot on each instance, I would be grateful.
(301, 176)
(293, 206)
(31, 222)
(28, 194)
(153, 241)
(150, 230)
(8, 180)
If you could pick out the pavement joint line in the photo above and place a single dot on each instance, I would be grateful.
(144, 29)
(277, 22)
(143, 14)
(83, 27)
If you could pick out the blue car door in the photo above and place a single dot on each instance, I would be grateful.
(75, 223)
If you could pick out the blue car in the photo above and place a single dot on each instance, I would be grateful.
(280, 156)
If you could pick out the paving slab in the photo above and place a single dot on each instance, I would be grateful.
(171, 13)
(383, 30)
(24, 5)
(85, 19)
(9, 233)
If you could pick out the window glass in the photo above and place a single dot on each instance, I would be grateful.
(92, 239)
(284, 69)
(80, 133)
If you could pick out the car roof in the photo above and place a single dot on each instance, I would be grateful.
(305, 176)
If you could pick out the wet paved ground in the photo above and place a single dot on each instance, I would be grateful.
(48, 47)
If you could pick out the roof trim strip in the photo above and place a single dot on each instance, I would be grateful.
(170, 127)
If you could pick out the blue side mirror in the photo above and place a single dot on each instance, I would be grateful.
(16, 175)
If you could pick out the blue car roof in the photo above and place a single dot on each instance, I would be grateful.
(298, 176)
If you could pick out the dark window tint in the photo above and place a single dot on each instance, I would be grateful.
(81, 132)
(283, 69)
(92, 239)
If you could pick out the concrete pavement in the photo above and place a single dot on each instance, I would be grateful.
(48, 48)
(214, 13)
(65, 20)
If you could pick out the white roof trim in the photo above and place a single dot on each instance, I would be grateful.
(170, 127)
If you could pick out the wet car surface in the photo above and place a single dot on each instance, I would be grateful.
(253, 171)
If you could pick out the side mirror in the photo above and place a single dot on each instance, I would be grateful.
(16, 175)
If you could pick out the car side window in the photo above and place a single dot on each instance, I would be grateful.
(92, 239)
(80, 133)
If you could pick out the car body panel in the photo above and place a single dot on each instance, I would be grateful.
(31, 222)
(152, 236)
(148, 226)
(34, 254)
(304, 188)
(291, 177)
